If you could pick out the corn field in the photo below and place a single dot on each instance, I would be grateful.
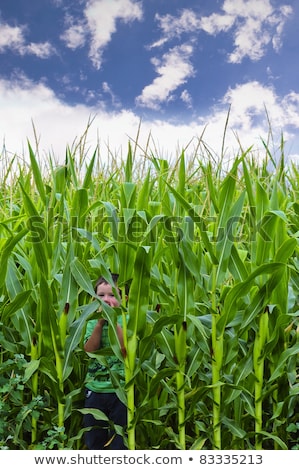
(210, 255)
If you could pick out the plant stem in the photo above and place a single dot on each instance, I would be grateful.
(258, 364)
(34, 356)
(129, 361)
(180, 346)
(217, 358)
(59, 370)
(129, 370)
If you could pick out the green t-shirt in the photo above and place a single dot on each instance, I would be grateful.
(98, 378)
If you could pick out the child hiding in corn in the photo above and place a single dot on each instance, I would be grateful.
(100, 392)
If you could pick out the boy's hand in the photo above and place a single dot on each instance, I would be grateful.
(120, 336)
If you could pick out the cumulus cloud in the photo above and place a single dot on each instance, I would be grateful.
(174, 26)
(75, 35)
(173, 69)
(250, 100)
(14, 39)
(114, 100)
(248, 120)
(254, 24)
(256, 112)
(11, 37)
(186, 98)
(49, 116)
(99, 24)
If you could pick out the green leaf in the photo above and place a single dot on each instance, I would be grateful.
(139, 291)
(81, 276)
(236, 264)
(79, 207)
(75, 335)
(38, 234)
(6, 253)
(16, 304)
(88, 173)
(279, 366)
(97, 414)
(198, 220)
(225, 243)
(37, 174)
(240, 290)
(31, 368)
(286, 250)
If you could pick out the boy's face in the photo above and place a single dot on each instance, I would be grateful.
(105, 292)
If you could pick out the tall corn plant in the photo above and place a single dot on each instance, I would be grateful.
(218, 260)
(226, 247)
(210, 322)
(42, 263)
(126, 252)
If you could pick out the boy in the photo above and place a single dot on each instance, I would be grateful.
(100, 392)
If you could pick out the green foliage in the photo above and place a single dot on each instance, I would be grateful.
(211, 322)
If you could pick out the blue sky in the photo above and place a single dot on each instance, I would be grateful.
(175, 66)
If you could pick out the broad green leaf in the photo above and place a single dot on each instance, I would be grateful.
(75, 336)
(128, 195)
(31, 368)
(87, 182)
(226, 197)
(241, 289)
(224, 245)
(143, 195)
(37, 174)
(181, 175)
(286, 250)
(236, 264)
(97, 414)
(38, 234)
(81, 276)
(16, 304)
(280, 365)
(129, 164)
(7, 251)
(199, 221)
(79, 207)
(139, 291)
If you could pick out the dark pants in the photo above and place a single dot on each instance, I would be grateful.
(98, 437)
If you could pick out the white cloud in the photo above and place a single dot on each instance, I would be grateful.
(25, 103)
(14, 38)
(99, 24)
(216, 23)
(11, 37)
(114, 100)
(42, 50)
(58, 124)
(249, 40)
(174, 27)
(248, 104)
(248, 8)
(279, 20)
(254, 23)
(173, 70)
(257, 112)
(75, 35)
(250, 100)
(186, 98)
